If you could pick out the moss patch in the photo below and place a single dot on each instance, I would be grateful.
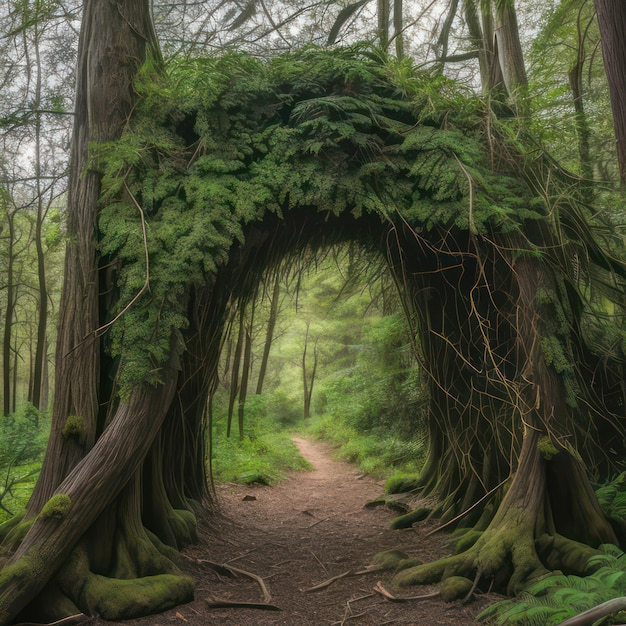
(406, 521)
(455, 588)
(401, 483)
(57, 507)
(74, 427)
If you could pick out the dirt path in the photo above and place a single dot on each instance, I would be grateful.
(299, 533)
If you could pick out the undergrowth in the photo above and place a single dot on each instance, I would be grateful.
(23, 440)
(264, 454)
(557, 596)
(378, 452)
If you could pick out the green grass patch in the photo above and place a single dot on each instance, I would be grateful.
(265, 457)
(379, 452)
(266, 453)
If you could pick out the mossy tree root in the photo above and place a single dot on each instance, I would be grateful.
(515, 549)
(114, 598)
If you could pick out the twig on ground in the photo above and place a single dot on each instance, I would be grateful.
(232, 569)
(218, 603)
(79, 618)
(378, 588)
(330, 581)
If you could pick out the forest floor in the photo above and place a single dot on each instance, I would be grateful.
(299, 533)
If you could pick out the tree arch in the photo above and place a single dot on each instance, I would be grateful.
(225, 166)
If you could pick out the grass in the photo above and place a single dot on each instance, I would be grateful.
(25, 477)
(267, 456)
(377, 453)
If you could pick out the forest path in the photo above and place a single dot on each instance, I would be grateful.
(301, 532)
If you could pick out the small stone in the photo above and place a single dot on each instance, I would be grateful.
(248, 498)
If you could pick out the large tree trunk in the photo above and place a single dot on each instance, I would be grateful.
(84, 495)
(113, 41)
(79, 481)
(612, 21)
(549, 500)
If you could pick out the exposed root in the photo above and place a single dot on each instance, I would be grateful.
(225, 569)
(378, 588)
(71, 620)
(217, 603)
(116, 599)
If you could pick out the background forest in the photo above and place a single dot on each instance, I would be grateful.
(322, 342)
(335, 323)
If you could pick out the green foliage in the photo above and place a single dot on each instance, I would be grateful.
(216, 143)
(377, 454)
(264, 455)
(612, 498)
(23, 440)
(23, 437)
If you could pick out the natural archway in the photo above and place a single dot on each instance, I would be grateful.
(225, 166)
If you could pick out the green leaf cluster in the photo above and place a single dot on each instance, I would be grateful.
(557, 597)
(216, 143)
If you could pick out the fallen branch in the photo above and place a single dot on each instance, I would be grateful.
(378, 588)
(591, 616)
(218, 603)
(79, 618)
(230, 569)
(329, 582)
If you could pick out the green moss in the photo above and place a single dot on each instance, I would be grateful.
(407, 520)
(114, 599)
(546, 448)
(389, 559)
(57, 507)
(15, 536)
(407, 563)
(8, 526)
(425, 574)
(454, 588)
(467, 540)
(401, 483)
(74, 427)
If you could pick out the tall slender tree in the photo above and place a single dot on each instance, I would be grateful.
(612, 21)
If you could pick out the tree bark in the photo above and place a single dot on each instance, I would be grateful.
(8, 319)
(89, 488)
(510, 56)
(269, 333)
(112, 46)
(612, 21)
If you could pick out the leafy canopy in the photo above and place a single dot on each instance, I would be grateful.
(216, 143)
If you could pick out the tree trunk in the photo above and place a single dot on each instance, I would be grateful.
(612, 22)
(384, 13)
(234, 376)
(113, 41)
(85, 493)
(269, 333)
(245, 374)
(308, 380)
(8, 319)
(398, 27)
(42, 320)
(510, 57)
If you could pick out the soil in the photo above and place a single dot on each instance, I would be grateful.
(297, 534)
